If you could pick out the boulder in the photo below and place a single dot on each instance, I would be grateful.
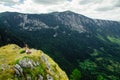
(27, 63)
(49, 77)
(18, 70)
(44, 59)
(40, 77)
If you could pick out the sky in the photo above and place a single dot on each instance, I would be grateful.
(97, 9)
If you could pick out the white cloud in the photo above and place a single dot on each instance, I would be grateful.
(49, 2)
(102, 9)
(10, 2)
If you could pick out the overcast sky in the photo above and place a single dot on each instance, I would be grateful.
(99, 9)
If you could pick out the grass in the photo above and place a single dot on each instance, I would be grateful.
(96, 53)
(100, 37)
(114, 40)
(22, 51)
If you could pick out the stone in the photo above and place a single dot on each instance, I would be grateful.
(49, 77)
(48, 65)
(37, 63)
(44, 59)
(2, 67)
(34, 64)
(18, 70)
(28, 77)
(27, 63)
(40, 77)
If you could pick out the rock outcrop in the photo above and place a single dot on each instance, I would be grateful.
(22, 66)
(18, 70)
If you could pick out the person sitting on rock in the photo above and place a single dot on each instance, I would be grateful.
(27, 50)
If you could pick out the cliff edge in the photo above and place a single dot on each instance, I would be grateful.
(16, 64)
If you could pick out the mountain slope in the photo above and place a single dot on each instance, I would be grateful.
(16, 64)
(74, 40)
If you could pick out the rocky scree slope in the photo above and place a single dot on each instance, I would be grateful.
(15, 64)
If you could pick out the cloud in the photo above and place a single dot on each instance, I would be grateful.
(10, 2)
(6, 8)
(85, 2)
(117, 3)
(102, 9)
(49, 2)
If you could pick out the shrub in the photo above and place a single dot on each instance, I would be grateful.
(76, 75)
(22, 51)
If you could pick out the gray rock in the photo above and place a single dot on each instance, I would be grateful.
(28, 77)
(52, 71)
(40, 77)
(34, 64)
(2, 67)
(37, 63)
(27, 63)
(48, 65)
(44, 59)
(18, 70)
(49, 77)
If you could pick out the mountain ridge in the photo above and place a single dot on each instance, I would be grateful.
(68, 11)
(67, 18)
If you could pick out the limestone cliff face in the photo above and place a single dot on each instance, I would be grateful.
(15, 64)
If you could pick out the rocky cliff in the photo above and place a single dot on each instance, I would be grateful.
(15, 64)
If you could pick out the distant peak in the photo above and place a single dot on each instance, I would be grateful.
(9, 12)
(64, 12)
(68, 11)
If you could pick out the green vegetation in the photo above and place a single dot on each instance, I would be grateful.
(114, 40)
(95, 53)
(76, 75)
(22, 51)
(100, 77)
(35, 71)
(88, 65)
(101, 37)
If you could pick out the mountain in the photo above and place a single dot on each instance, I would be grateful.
(90, 47)
(18, 65)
